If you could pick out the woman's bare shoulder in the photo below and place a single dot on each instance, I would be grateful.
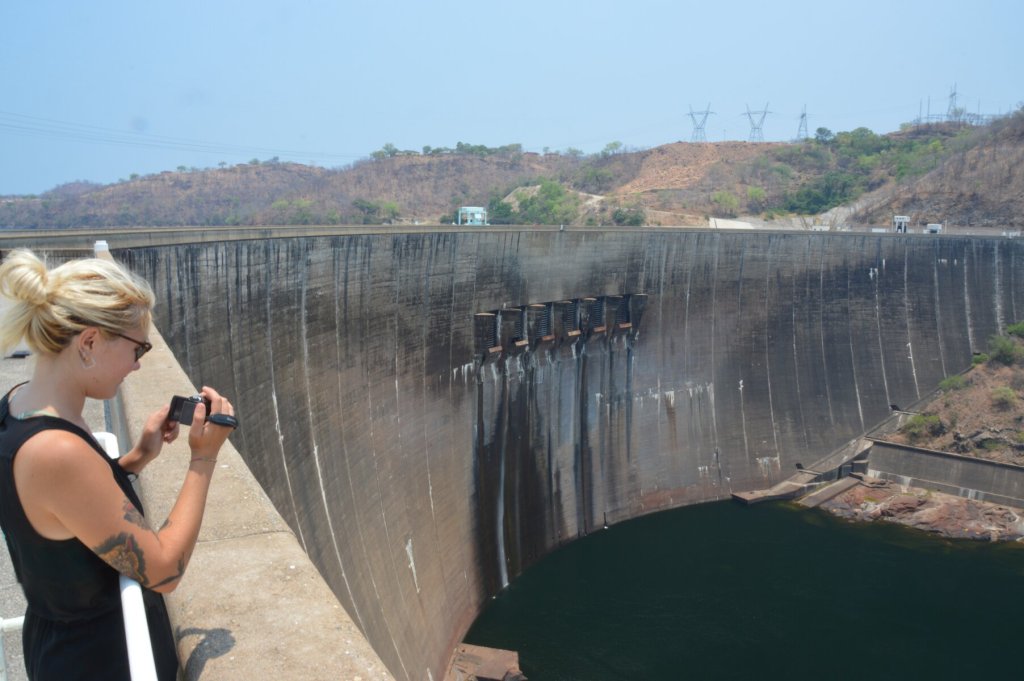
(57, 451)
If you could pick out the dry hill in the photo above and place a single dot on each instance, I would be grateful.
(960, 176)
(411, 187)
(980, 185)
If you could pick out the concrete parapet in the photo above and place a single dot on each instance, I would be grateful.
(143, 237)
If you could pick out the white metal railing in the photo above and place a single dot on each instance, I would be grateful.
(8, 625)
(136, 627)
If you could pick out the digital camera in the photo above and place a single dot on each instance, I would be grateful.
(183, 408)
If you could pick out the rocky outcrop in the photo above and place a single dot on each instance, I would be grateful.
(943, 514)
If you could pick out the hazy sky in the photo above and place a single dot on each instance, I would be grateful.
(102, 89)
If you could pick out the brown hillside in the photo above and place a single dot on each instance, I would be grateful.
(686, 166)
(425, 187)
(421, 188)
(980, 416)
(979, 182)
(979, 186)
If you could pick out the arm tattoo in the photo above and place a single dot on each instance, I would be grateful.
(124, 554)
(133, 515)
(179, 575)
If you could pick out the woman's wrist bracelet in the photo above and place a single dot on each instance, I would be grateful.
(203, 458)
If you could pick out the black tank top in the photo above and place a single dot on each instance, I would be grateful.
(74, 599)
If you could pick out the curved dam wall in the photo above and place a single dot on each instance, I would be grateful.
(432, 413)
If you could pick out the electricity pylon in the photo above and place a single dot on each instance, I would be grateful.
(757, 127)
(801, 133)
(698, 126)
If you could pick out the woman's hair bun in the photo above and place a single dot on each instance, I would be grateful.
(23, 277)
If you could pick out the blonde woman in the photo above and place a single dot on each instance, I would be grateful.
(69, 514)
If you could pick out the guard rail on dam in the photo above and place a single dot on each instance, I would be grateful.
(431, 413)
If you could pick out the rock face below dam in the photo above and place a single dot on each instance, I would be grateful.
(432, 413)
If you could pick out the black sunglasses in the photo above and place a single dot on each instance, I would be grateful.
(141, 347)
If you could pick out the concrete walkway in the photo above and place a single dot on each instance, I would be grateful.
(818, 497)
(790, 488)
(806, 480)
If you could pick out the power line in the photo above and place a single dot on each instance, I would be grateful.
(46, 128)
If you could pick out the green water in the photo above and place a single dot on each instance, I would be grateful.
(724, 591)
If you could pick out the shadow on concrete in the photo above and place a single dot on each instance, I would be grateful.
(214, 643)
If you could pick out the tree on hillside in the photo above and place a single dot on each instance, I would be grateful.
(369, 211)
(629, 216)
(551, 205)
(611, 149)
(388, 211)
(728, 205)
(823, 136)
(297, 212)
(756, 199)
(389, 150)
(832, 189)
(500, 212)
(592, 179)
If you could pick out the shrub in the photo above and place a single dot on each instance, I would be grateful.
(980, 358)
(500, 212)
(631, 216)
(1005, 349)
(551, 205)
(1016, 329)
(756, 199)
(726, 202)
(594, 180)
(923, 425)
(956, 382)
(1004, 397)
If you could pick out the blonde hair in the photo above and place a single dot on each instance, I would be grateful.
(50, 307)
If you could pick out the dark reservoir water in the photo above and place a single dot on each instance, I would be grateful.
(724, 591)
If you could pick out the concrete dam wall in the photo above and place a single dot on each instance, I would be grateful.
(432, 413)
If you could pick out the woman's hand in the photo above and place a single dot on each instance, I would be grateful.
(155, 433)
(205, 438)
